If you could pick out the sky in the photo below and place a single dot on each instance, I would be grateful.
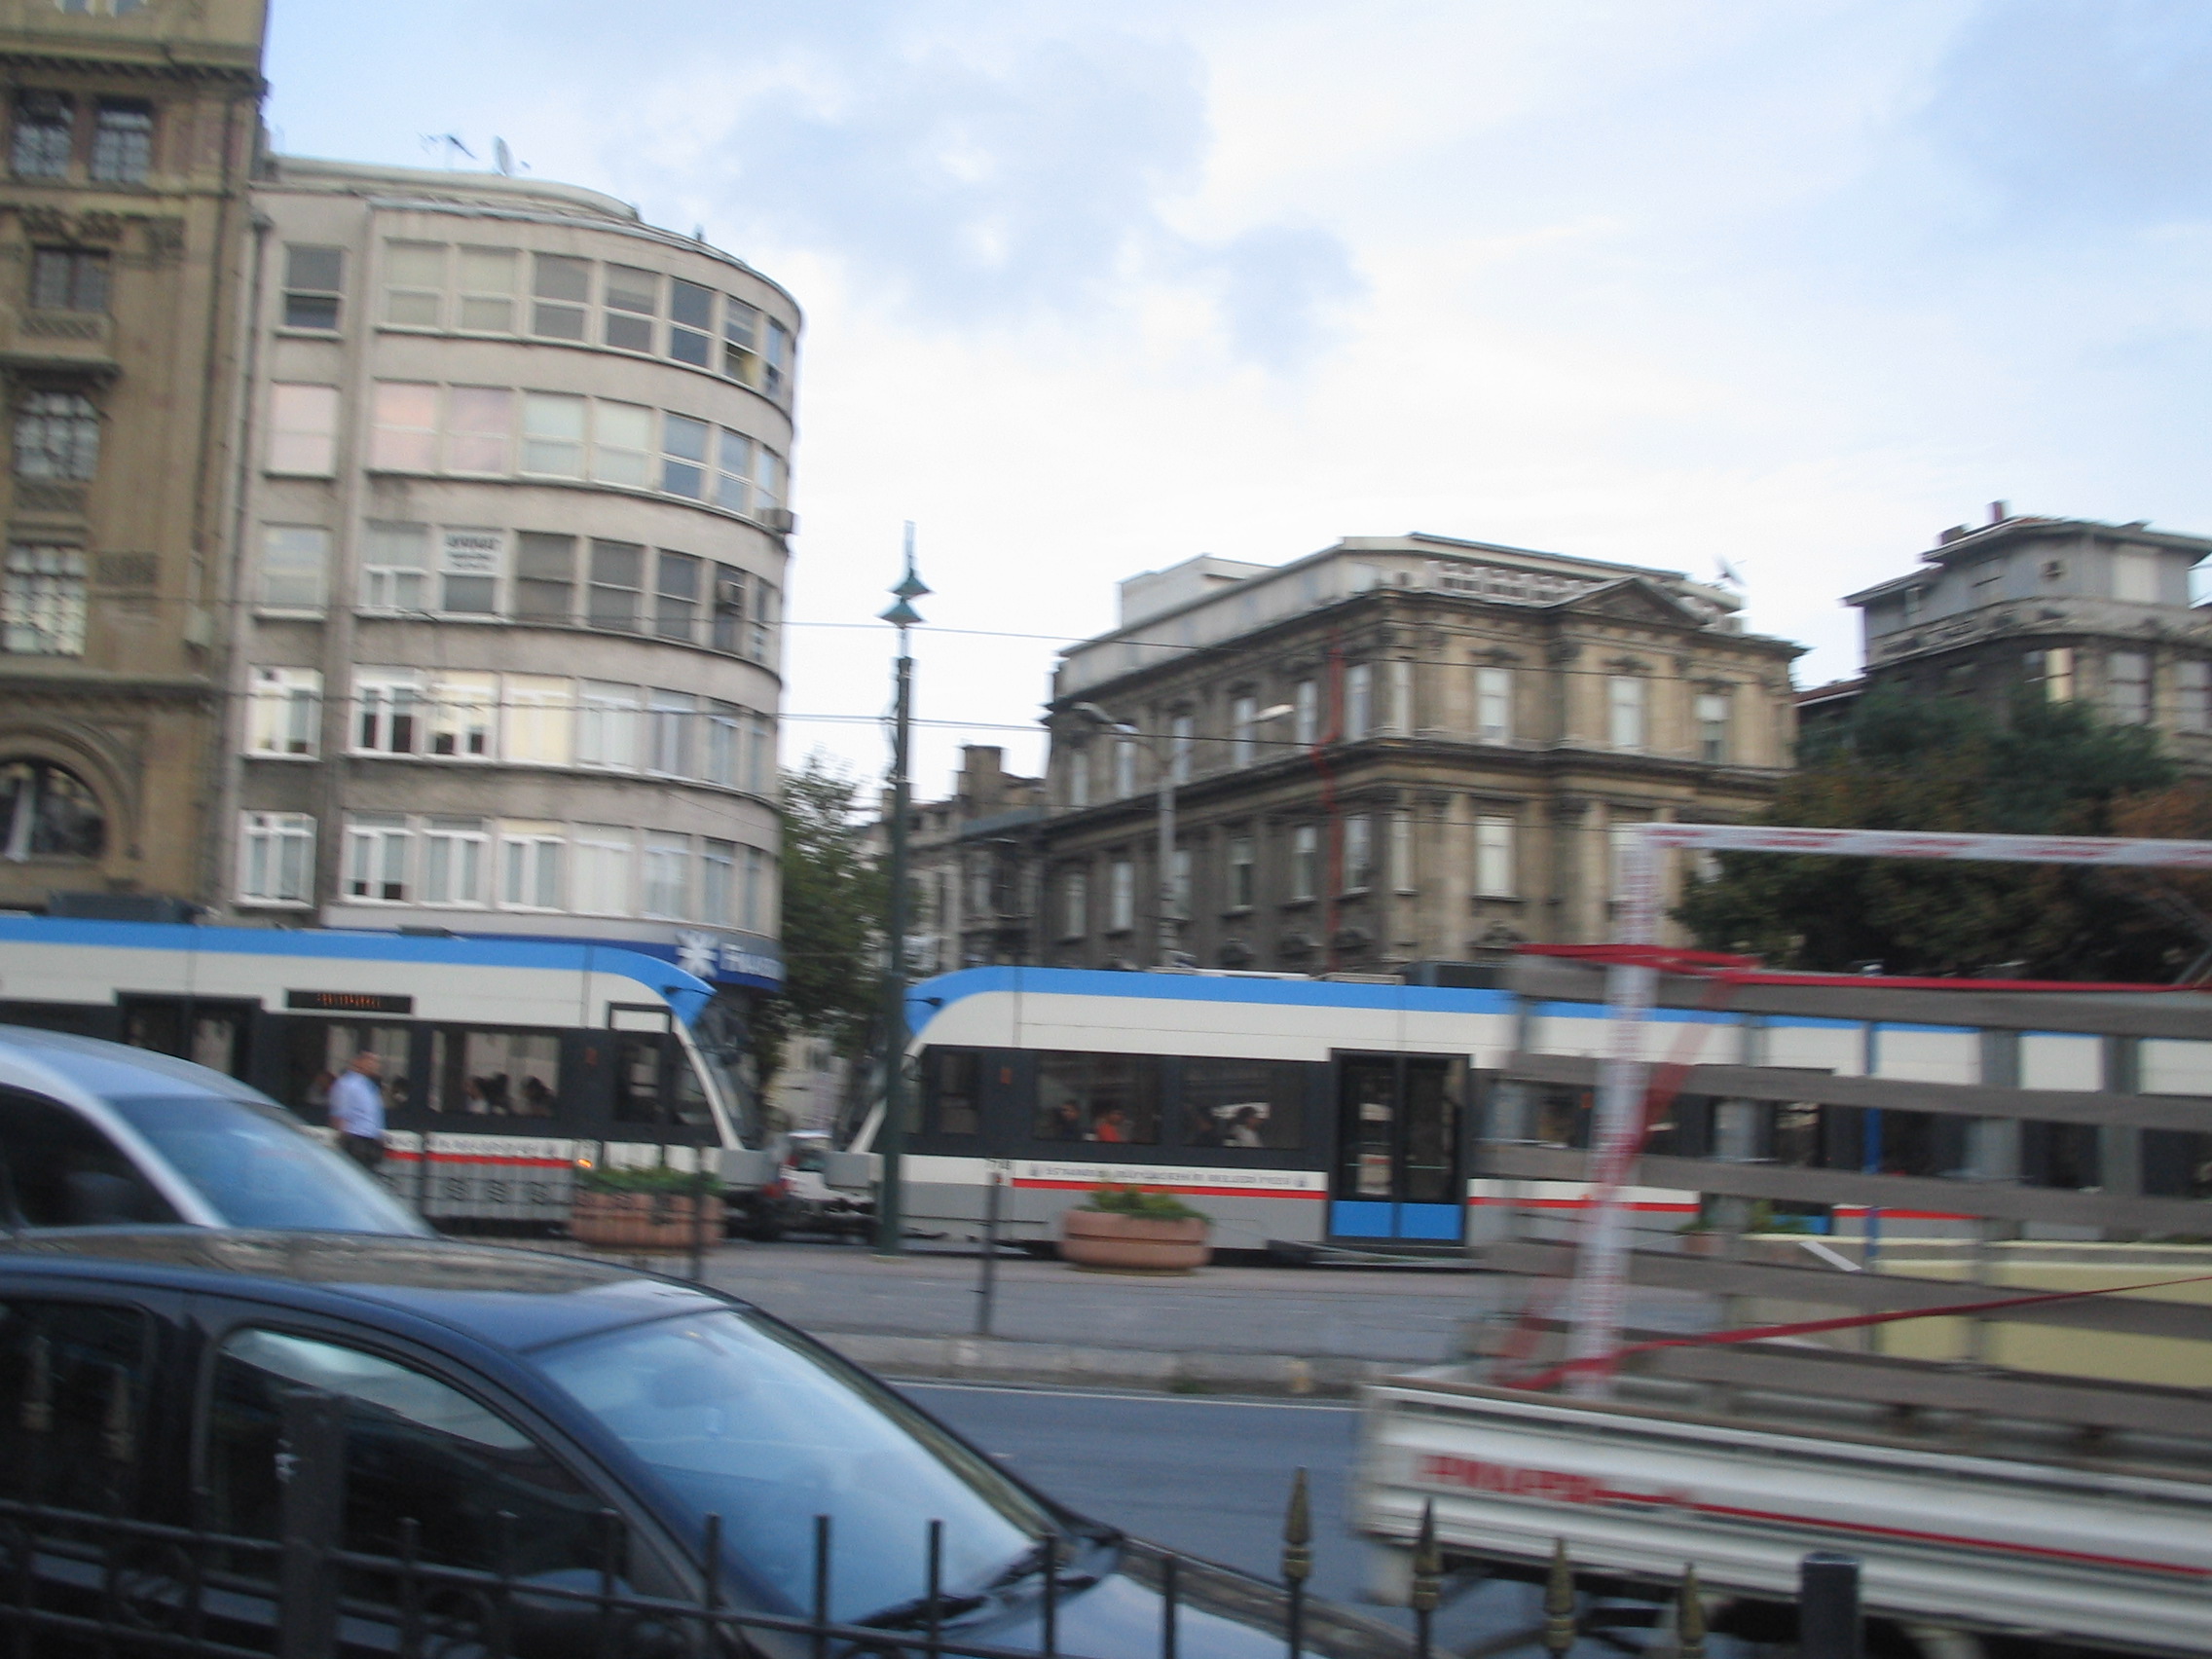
(1092, 289)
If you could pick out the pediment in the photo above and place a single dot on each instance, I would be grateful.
(1632, 598)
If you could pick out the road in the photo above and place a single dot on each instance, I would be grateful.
(1209, 1476)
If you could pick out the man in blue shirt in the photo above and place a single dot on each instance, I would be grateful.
(356, 1110)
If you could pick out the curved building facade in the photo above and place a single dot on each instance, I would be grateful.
(510, 542)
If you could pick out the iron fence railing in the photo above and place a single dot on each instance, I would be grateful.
(76, 1581)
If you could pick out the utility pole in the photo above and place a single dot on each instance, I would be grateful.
(891, 1138)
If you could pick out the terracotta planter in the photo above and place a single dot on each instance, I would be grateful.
(1132, 1243)
(640, 1221)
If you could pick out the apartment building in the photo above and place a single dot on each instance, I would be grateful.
(124, 217)
(510, 559)
(973, 859)
(1396, 749)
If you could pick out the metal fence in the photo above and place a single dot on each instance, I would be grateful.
(78, 1582)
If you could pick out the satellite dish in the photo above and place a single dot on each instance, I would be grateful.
(503, 158)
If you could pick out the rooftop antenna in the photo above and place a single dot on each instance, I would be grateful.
(1729, 575)
(503, 158)
(448, 143)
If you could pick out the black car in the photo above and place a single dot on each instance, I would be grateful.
(549, 1434)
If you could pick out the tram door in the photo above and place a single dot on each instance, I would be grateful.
(199, 1029)
(1397, 1171)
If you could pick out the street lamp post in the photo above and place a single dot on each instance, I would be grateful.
(1163, 762)
(891, 1138)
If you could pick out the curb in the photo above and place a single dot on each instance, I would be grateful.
(989, 1360)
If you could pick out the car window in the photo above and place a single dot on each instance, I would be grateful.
(57, 1170)
(74, 1383)
(416, 1449)
(259, 1168)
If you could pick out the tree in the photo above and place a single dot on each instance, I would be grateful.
(834, 921)
(1904, 762)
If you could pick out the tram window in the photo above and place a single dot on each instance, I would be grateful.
(1107, 1098)
(1796, 1138)
(495, 1074)
(654, 1084)
(952, 1086)
(319, 1050)
(1563, 1118)
(1244, 1105)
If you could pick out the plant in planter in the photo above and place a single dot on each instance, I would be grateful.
(650, 1208)
(1130, 1229)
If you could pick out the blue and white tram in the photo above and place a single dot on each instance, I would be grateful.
(506, 1062)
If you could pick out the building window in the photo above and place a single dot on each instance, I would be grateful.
(303, 431)
(617, 586)
(1074, 904)
(1493, 858)
(728, 611)
(757, 894)
(545, 577)
(68, 279)
(453, 860)
(286, 716)
(683, 455)
(57, 436)
(761, 759)
(488, 289)
(1359, 853)
(1306, 713)
(553, 426)
(672, 714)
(623, 443)
(469, 565)
(691, 322)
(539, 721)
(1125, 766)
(1244, 724)
(295, 561)
(403, 434)
(777, 369)
(560, 289)
(461, 713)
(1120, 896)
(2051, 673)
(1079, 775)
(1624, 704)
(123, 141)
(1182, 744)
(42, 601)
(45, 134)
(718, 882)
(1712, 726)
(603, 870)
(725, 739)
(277, 858)
(741, 342)
(1240, 873)
(2135, 575)
(733, 471)
(2193, 695)
(2127, 688)
(607, 726)
(387, 712)
(530, 870)
(314, 287)
(396, 561)
(632, 301)
(376, 858)
(1305, 862)
(48, 812)
(668, 876)
(480, 423)
(414, 284)
(767, 599)
(1402, 851)
(1493, 704)
(1359, 700)
(676, 604)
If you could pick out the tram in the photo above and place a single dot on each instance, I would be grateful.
(1325, 1112)
(505, 1062)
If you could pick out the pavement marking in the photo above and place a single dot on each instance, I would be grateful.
(1150, 1398)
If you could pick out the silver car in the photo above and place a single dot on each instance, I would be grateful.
(98, 1134)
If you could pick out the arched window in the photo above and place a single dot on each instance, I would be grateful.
(57, 436)
(48, 811)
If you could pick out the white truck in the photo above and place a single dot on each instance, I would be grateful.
(2103, 1542)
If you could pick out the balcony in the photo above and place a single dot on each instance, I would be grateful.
(66, 343)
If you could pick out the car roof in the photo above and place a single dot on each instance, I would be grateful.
(509, 1299)
(111, 1070)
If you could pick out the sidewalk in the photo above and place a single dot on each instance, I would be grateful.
(1264, 1329)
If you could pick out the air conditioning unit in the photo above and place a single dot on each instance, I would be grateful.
(729, 593)
(779, 521)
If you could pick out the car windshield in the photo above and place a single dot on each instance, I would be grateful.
(258, 1168)
(741, 1420)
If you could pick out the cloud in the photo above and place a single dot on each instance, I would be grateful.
(1281, 288)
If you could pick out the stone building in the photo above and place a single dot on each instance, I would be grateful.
(2065, 609)
(124, 225)
(510, 555)
(1397, 748)
(973, 859)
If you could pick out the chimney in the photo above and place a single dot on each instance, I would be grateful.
(982, 775)
(1997, 512)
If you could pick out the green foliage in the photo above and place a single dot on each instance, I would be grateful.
(1141, 1202)
(1907, 763)
(642, 1178)
(834, 902)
